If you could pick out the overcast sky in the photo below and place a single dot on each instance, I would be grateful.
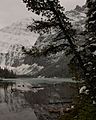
(13, 10)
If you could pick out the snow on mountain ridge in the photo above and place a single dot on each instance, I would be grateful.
(12, 57)
(19, 27)
(27, 69)
(77, 17)
(18, 33)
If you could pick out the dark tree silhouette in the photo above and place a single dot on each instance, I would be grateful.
(91, 14)
(5, 73)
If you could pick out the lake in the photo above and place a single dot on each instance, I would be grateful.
(35, 98)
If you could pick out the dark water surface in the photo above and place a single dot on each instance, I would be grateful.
(33, 99)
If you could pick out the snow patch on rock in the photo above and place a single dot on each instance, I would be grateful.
(26, 69)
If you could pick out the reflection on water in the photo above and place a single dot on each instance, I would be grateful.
(27, 101)
(13, 105)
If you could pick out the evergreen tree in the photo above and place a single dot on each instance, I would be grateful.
(5, 73)
(90, 47)
(91, 15)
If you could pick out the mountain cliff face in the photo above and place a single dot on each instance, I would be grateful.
(14, 37)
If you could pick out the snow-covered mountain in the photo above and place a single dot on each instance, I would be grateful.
(17, 33)
(13, 37)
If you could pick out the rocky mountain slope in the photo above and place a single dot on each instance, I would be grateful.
(13, 37)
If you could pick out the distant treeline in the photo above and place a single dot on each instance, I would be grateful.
(5, 73)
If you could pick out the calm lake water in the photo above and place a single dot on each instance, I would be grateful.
(31, 99)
